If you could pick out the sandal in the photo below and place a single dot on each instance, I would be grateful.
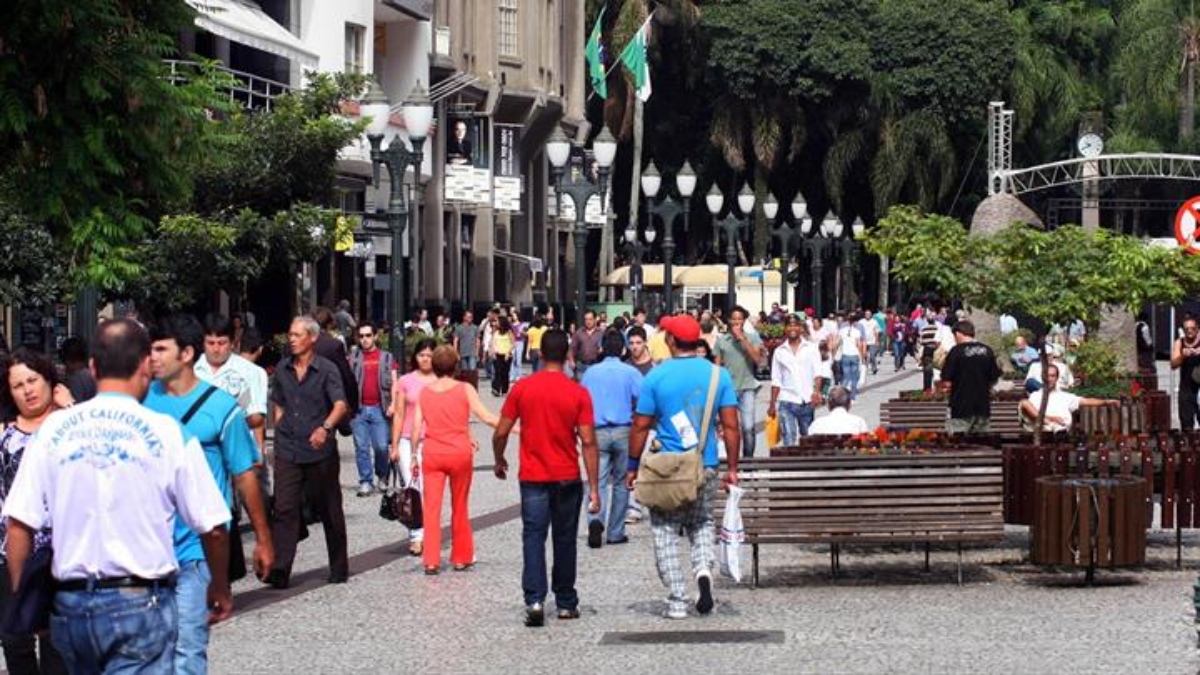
(431, 571)
(463, 567)
(416, 548)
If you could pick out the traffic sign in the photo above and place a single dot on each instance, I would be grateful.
(1187, 226)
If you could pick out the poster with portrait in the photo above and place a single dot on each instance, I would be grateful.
(468, 170)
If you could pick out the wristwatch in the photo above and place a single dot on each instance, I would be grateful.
(327, 426)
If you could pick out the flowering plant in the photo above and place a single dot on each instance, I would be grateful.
(894, 442)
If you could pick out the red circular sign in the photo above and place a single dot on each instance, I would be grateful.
(1187, 226)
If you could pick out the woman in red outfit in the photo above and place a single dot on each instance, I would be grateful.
(444, 410)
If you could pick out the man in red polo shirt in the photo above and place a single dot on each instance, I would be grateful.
(554, 411)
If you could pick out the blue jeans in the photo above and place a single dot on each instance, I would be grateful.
(545, 506)
(370, 429)
(614, 462)
(468, 362)
(794, 420)
(746, 412)
(116, 630)
(850, 366)
(873, 357)
(898, 353)
(191, 599)
(535, 360)
(514, 372)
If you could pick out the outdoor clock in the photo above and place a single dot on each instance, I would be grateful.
(1090, 144)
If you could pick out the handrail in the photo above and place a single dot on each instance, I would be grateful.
(254, 93)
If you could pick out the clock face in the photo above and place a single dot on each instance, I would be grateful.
(1090, 145)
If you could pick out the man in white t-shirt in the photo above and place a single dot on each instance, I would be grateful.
(839, 421)
(234, 375)
(1060, 408)
(108, 477)
(870, 336)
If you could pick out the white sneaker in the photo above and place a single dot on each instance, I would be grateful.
(632, 517)
(674, 614)
(365, 489)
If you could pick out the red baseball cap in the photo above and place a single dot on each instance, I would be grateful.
(682, 326)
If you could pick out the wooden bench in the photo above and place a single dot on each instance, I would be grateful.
(952, 496)
(932, 415)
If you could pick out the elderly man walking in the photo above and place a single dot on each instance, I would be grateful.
(308, 403)
(679, 400)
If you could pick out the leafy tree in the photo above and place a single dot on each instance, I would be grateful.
(1056, 277)
(91, 128)
(30, 262)
(1155, 70)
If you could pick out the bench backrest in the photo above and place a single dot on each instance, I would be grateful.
(962, 486)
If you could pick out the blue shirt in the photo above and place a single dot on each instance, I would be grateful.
(614, 386)
(680, 385)
(220, 426)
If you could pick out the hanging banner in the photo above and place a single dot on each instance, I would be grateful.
(468, 174)
(506, 164)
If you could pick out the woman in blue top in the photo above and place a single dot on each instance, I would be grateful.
(31, 390)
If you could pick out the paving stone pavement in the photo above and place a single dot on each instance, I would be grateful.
(883, 614)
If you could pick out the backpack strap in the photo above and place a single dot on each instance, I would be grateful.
(191, 412)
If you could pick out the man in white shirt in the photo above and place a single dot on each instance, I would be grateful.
(870, 336)
(1061, 407)
(839, 421)
(108, 477)
(234, 375)
(795, 382)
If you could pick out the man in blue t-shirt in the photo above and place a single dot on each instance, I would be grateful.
(672, 401)
(214, 418)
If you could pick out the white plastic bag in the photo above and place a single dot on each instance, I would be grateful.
(732, 536)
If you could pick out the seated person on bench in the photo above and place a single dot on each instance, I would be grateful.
(1061, 407)
(839, 420)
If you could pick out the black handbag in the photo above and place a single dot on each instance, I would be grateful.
(28, 609)
(412, 513)
(389, 502)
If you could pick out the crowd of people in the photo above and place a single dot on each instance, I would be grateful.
(164, 436)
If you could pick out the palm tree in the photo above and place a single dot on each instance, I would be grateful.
(1159, 45)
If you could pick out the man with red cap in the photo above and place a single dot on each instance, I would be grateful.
(673, 401)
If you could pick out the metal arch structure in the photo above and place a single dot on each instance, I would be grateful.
(1002, 178)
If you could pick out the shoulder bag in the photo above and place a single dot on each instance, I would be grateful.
(668, 481)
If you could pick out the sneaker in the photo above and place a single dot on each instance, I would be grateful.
(674, 613)
(595, 534)
(568, 614)
(365, 489)
(535, 615)
(632, 516)
(705, 604)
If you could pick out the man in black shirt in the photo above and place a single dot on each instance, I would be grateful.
(308, 402)
(969, 374)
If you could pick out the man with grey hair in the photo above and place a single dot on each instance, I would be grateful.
(307, 403)
(839, 421)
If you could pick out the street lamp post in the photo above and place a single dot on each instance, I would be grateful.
(580, 190)
(845, 237)
(667, 209)
(789, 239)
(637, 250)
(818, 246)
(732, 226)
(417, 113)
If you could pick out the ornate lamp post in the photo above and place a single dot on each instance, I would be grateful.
(818, 247)
(580, 190)
(667, 209)
(637, 250)
(789, 237)
(417, 112)
(732, 226)
(845, 237)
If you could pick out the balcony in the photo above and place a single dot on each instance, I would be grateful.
(252, 92)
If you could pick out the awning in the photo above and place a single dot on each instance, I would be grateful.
(245, 23)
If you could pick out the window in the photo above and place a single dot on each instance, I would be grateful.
(355, 37)
(508, 45)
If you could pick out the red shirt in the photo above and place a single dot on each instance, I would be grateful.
(370, 382)
(550, 407)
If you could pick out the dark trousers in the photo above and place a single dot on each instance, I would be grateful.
(550, 508)
(21, 654)
(320, 481)
(500, 378)
(1188, 410)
